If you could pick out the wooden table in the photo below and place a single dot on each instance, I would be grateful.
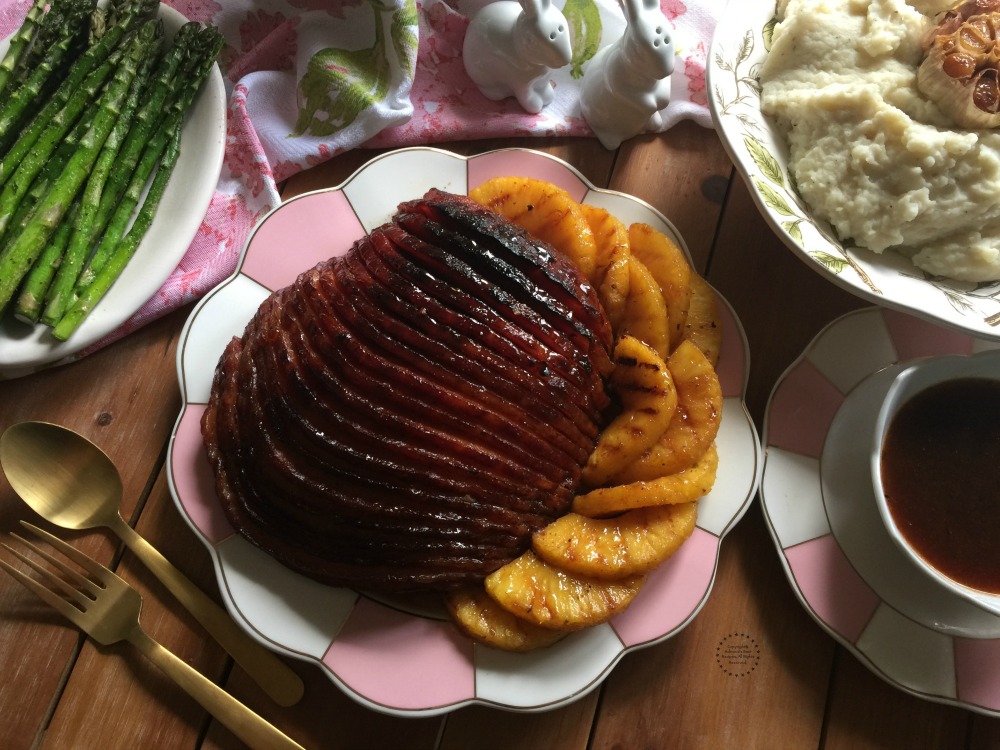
(59, 690)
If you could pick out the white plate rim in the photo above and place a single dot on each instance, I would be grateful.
(24, 351)
(740, 415)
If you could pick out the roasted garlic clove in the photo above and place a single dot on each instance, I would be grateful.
(961, 66)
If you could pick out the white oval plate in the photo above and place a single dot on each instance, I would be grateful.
(820, 508)
(25, 349)
(389, 654)
(739, 48)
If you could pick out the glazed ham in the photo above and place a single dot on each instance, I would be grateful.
(407, 415)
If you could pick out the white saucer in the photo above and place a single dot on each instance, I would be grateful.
(850, 506)
(820, 509)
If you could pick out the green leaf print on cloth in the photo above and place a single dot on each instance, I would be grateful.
(585, 26)
(340, 84)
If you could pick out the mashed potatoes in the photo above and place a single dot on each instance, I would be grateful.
(868, 152)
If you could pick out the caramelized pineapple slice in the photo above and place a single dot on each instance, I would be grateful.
(482, 619)
(547, 211)
(667, 264)
(646, 314)
(633, 543)
(695, 423)
(648, 396)
(610, 237)
(674, 489)
(613, 287)
(703, 327)
(552, 598)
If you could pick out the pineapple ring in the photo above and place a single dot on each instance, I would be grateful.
(649, 399)
(694, 426)
(613, 287)
(655, 297)
(703, 327)
(633, 543)
(547, 211)
(670, 269)
(485, 621)
(546, 596)
(646, 315)
(683, 487)
(610, 237)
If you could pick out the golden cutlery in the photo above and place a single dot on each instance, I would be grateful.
(107, 609)
(71, 482)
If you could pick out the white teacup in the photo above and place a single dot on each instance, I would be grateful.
(908, 383)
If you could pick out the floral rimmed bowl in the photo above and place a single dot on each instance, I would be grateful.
(739, 47)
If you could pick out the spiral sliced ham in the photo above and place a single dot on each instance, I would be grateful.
(407, 415)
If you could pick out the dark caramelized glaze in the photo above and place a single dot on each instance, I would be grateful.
(407, 415)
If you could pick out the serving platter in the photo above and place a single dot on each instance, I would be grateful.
(27, 348)
(819, 506)
(739, 47)
(404, 656)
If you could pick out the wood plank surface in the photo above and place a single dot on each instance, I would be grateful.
(125, 399)
(752, 669)
(725, 680)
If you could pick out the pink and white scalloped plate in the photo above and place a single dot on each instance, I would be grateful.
(393, 655)
(820, 508)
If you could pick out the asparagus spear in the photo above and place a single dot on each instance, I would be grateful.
(119, 219)
(102, 276)
(83, 230)
(126, 17)
(70, 21)
(29, 301)
(126, 248)
(17, 258)
(50, 28)
(121, 202)
(22, 177)
(20, 42)
(190, 45)
(53, 168)
(187, 44)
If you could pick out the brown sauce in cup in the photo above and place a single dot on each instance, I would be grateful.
(941, 478)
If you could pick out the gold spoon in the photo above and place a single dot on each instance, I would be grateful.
(72, 483)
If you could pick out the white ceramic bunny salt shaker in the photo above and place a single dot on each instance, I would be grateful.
(510, 47)
(627, 83)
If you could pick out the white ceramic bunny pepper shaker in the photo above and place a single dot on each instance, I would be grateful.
(627, 83)
(510, 47)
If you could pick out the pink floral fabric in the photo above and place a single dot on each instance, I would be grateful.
(278, 51)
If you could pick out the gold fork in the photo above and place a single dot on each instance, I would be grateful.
(107, 609)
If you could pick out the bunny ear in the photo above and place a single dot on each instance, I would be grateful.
(534, 8)
(638, 8)
(633, 8)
